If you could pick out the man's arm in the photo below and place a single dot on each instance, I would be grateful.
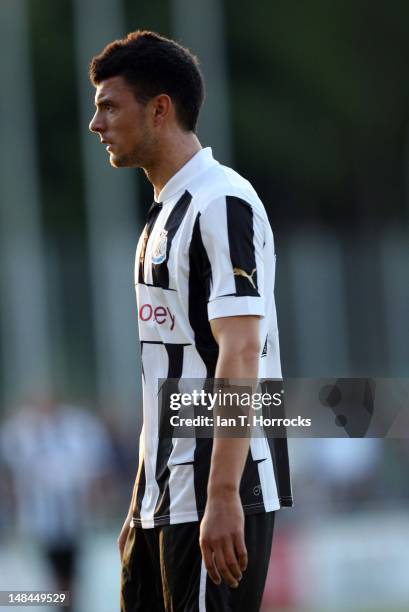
(222, 528)
(127, 523)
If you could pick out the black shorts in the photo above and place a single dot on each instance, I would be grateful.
(162, 570)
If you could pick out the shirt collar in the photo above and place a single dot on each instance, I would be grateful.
(200, 161)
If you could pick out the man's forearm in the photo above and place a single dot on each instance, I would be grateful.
(222, 539)
(227, 465)
(229, 454)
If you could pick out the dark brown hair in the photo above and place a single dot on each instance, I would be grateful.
(153, 65)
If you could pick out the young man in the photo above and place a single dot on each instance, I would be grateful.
(199, 528)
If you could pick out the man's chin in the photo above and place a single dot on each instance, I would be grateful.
(120, 162)
(116, 161)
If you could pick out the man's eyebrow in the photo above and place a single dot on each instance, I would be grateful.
(103, 102)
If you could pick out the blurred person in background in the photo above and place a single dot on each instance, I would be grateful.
(59, 461)
(204, 276)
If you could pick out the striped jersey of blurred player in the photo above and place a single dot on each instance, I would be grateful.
(204, 277)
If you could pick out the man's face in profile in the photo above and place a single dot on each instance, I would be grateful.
(121, 122)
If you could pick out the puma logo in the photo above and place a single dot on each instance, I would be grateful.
(240, 272)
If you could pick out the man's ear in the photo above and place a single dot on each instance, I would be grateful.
(162, 106)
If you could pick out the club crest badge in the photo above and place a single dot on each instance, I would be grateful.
(159, 249)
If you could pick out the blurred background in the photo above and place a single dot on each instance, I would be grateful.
(307, 100)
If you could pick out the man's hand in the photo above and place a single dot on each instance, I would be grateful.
(123, 535)
(222, 538)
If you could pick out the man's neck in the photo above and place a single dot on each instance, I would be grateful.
(174, 154)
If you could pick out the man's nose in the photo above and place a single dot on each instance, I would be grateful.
(95, 124)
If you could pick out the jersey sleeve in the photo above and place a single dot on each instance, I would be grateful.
(233, 238)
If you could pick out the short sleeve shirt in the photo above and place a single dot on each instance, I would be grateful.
(207, 251)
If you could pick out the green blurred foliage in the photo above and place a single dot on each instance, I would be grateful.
(318, 97)
(153, 15)
(57, 113)
(320, 100)
(58, 126)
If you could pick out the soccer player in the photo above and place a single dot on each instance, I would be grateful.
(199, 529)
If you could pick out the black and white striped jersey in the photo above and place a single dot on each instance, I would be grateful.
(207, 251)
(54, 458)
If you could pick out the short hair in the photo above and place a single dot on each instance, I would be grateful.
(153, 65)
